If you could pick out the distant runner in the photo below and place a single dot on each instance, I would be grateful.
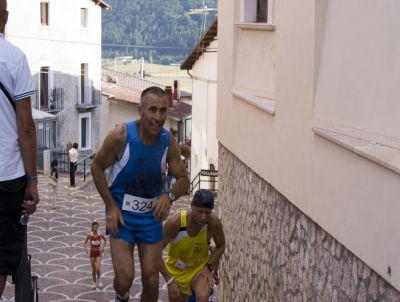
(95, 251)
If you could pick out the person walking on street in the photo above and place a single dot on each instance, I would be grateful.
(54, 181)
(73, 160)
(95, 251)
(18, 178)
(139, 152)
(190, 266)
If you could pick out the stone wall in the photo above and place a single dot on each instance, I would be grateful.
(276, 253)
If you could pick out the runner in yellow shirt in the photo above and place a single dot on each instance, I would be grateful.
(190, 266)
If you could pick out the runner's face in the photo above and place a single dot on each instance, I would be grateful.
(95, 227)
(153, 113)
(201, 215)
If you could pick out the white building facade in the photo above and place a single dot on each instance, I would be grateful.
(62, 42)
(202, 65)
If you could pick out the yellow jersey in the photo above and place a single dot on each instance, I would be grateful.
(187, 255)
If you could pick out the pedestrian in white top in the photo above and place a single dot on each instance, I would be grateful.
(73, 160)
(18, 179)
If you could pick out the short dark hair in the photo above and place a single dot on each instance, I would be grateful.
(54, 163)
(152, 90)
(75, 146)
(94, 223)
(203, 198)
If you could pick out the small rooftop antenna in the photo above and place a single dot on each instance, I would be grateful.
(203, 11)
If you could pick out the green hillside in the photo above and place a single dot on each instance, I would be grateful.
(158, 29)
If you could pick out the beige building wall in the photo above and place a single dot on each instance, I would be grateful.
(310, 104)
(204, 106)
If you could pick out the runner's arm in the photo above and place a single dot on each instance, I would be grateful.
(219, 240)
(177, 169)
(108, 154)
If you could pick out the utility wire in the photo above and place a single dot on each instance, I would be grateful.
(110, 45)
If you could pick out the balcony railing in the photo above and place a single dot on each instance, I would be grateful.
(51, 102)
(87, 97)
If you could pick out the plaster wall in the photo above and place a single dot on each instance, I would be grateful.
(204, 106)
(315, 65)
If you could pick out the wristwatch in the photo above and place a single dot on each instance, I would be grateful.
(210, 267)
(171, 197)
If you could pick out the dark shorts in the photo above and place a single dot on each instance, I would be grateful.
(12, 233)
(150, 236)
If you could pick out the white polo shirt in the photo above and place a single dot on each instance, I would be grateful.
(16, 78)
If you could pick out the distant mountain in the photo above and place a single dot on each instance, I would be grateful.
(160, 29)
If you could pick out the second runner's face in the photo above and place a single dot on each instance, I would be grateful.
(201, 215)
(153, 113)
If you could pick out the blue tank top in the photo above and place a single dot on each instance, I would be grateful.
(138, 173)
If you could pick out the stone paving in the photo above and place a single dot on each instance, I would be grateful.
(55, 241)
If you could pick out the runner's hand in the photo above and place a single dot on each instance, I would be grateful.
(113, 218)
(174, 292)
(161, 207)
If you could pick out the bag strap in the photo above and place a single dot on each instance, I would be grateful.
(8, 96)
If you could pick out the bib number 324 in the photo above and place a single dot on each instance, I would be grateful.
(137, 204)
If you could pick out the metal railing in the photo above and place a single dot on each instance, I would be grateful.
(52, 102)
(83, 167)
(209, 177)
(87, 97)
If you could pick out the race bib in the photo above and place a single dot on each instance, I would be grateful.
(180, 264)
(137, 204)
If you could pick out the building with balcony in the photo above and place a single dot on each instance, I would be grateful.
(309, 161)
(62, 42)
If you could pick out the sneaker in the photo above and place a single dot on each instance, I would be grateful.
(118, 299)
(99, 284)
(94, 285)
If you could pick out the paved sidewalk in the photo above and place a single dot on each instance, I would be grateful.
(55, 241)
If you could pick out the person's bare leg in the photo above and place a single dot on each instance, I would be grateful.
(123, 263)
(201, 288)
(98, 264)
(93, 265)
(149, 255)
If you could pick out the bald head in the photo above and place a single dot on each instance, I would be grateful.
(3, 15)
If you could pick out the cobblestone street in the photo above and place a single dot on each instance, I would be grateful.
(55, 241)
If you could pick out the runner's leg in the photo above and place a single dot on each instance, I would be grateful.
(149, 255)
(201, 288)
(123, 263)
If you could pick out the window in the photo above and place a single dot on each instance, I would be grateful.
(85, 130)
(257, 11)
(44, 13)
(44, 87)
(84, 93)
(84, 17)
(262, 11)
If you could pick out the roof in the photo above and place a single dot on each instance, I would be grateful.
(130, 96)
(102, 4)
(180, 110)
(40, 116)
(201, 46)
(121, 95)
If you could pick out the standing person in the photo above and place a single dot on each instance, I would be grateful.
(18, 179)
(95, 251)
(73, 159)
(190, 266)
(54, 181)
(139, 152)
